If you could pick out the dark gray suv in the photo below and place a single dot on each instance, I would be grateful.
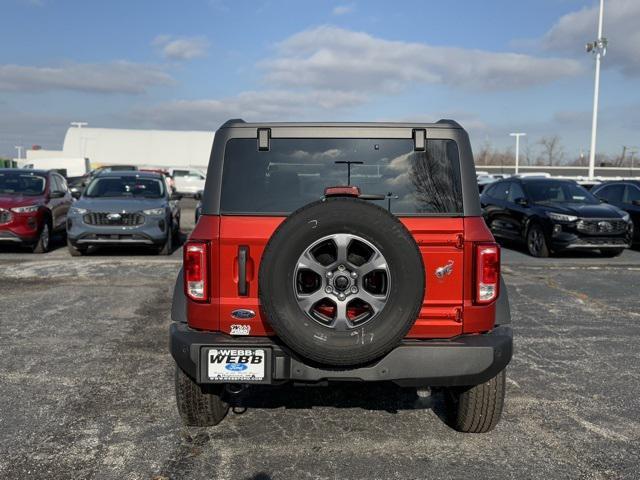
(130, 208)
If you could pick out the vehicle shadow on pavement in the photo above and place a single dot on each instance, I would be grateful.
(381, 397)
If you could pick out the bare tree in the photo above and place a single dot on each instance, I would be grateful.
(552, 151)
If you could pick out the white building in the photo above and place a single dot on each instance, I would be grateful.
(114, 146)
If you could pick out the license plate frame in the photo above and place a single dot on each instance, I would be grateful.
(220, 374)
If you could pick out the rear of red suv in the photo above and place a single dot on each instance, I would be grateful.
(342, 252)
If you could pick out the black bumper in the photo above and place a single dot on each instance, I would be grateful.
(465, 360)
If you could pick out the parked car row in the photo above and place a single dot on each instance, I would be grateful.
(116, 208)
(553, 215)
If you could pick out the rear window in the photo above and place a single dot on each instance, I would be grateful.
(295, 172)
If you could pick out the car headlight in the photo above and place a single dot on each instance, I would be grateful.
(154, 211)
(625, 217)
(28, 209)
(561, 217)
(77, 211)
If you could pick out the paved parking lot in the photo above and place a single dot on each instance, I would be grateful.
(86, 385)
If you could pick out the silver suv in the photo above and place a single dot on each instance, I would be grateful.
(130, 208)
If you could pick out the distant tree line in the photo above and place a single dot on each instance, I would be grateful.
(549, 151)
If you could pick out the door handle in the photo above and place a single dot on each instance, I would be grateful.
(243, 287)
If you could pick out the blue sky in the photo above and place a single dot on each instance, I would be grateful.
(496, 66)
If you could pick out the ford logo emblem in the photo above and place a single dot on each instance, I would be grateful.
(243, 314)
(236, 367)
(114, 216)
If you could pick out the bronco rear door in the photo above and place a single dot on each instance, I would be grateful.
(261, 185)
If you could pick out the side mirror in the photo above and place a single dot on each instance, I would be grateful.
(522, 202)
(76, 194)
(603, 200)
(175, 196)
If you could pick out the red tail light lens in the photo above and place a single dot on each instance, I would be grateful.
(196, 271)
(487, 272)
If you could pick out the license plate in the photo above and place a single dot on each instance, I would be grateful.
(236, 365)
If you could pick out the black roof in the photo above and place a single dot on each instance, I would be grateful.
(539, 179)
(239, 123)
(25, 170)
(129, 173)
(613, 182)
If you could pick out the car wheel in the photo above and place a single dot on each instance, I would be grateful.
(474, 409)
(75, 251)
(536, 242)
(167, 248)
(44, 240)
(611, 252)
(199, 405)
(341, 281)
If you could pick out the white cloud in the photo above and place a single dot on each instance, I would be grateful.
(181, 48)
(252, 105)
(333, 58)
(621, 26)
(115, 77)
(343, 9)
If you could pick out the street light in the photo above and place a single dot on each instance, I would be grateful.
(19, 148)
(599, 48)
(78, 124)
(518, 135)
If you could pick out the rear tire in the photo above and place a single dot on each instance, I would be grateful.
(537, 242)
(75, 251)
(44, 240)
(475, 409)
(199, 405)
(611, 252)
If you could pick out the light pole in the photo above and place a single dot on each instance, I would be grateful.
(19, 148)
(78, 124)
(518, 135)
(599, 48)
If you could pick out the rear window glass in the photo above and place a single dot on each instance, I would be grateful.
(295, 172)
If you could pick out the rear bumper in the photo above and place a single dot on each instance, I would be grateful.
(465, 360)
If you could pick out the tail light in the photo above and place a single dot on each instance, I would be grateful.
(487, 272)
(196, 271)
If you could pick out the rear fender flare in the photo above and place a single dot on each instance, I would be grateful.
(179, 303)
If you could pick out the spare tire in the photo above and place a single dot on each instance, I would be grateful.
(341, 281)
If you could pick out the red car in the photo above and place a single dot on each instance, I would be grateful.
(33, 205)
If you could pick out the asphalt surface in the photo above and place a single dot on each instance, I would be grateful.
(86, 385)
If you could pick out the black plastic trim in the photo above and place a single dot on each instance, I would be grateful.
(243, 286)
(503, 312)
(465, 360)
(179, 304)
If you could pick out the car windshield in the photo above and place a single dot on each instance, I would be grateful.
(20, 183)
(294, 172)
(544, 191)
(130, 186)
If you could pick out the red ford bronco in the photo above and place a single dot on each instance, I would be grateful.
(342, 252)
